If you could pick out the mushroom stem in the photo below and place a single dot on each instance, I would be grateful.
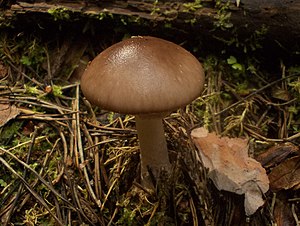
(153, 147)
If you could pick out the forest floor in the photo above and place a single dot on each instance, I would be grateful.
(65, 162)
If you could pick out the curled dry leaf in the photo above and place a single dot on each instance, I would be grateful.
(7, 112)
(277, 154)
(230, 167)
(286, 175)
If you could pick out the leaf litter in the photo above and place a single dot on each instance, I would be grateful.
(81, 168)
(7, 112)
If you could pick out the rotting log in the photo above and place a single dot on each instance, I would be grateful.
(276, 23)
(282, 17)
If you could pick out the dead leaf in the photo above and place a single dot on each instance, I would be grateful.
(231, 169)
(69, 161)
(3, 70)
(83, 164)
(277, 154)
(281, 94)
(7, 112)
(286, 175)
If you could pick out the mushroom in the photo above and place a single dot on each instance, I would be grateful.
(147, 77)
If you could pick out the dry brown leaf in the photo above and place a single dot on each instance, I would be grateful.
(7, 112)
(286, 175)
(3, 70)
(277, 154)
(231, 169)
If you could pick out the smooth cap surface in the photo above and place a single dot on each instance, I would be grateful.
(143, 75)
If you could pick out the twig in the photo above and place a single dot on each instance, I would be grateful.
(131, 149)
(194, 212)
(26, 76)
(37, 175)
(108, 193)
(156, 205)
(40, 172)
(101, 142)
(131, 131)
(113, 216)
(214, 86)
(18, 195)
(65, 146)
(96, 162)
(259, 136)
(36, 195)
(80, 149)
(38, 102)
(272, 206)
(295, 215)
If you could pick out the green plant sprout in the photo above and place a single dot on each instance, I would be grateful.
(232, 61)
(192, 6)
(3, 183)
(57, 91)
(155, 8)
(223, 16)
(34, 54)
(32, 90)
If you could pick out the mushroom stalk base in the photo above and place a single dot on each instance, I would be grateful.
(153, 147)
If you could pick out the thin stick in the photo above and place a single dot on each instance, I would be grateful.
(36, 195)
(156, 205)
(18, 195)
(108, 193)
(194, 212)
(26, 76)
(80, 149)
(98, 189)
(37, 175)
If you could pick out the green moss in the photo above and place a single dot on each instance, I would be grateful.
(57, 90)
(104, 15)
(31, 89)
(9, 132)
(192, 6)
(33, 55)
(60, 13)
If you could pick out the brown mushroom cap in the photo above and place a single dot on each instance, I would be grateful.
(143, 75)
